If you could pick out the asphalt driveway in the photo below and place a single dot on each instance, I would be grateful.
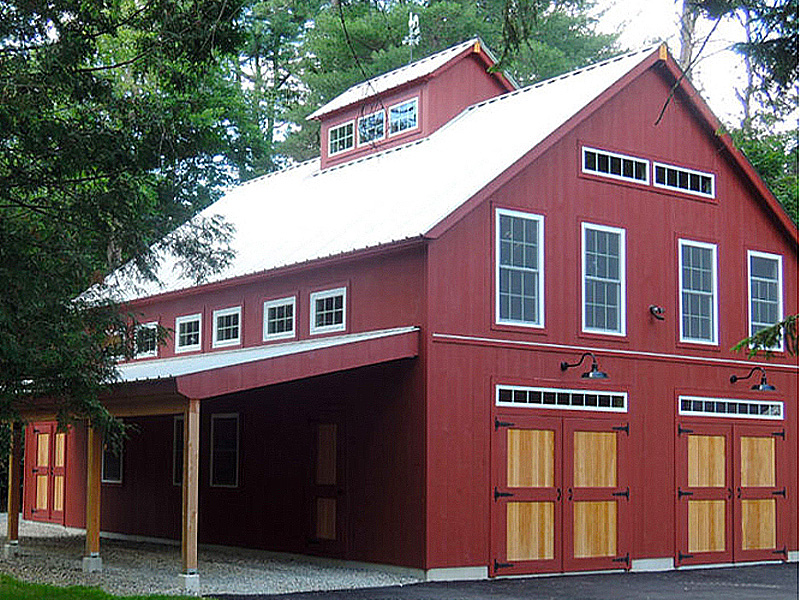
(759, 582)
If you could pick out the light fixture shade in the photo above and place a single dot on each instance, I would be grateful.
(592, 373)
(762, 386)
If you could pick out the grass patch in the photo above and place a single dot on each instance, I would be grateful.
(12, 589)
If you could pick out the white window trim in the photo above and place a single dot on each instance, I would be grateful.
(389, 133)
(612, 175)
(361, 144)
(211, 456)
(188, 319)
(175, 420)
(611, 409)
(781, 316)
(103, 467)
(151, 353)
(342, 291)
(237, 310)
(772, 403)
(622, 279)
(715, 300)
(275, 303)
(540, 221)
(664, 186)
(339, 126)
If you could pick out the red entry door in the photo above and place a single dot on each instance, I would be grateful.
(560, 498)
(48, 448)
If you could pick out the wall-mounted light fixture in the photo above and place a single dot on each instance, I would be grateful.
(761, 387)
(657, 312)
(592, 373)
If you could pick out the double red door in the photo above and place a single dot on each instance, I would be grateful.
(731, 496)
(48, 448)
(560, 497)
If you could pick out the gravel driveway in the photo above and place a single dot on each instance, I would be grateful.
(52, 554)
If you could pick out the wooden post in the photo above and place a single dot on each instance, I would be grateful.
(94, 459)
(191, 468)
(14, 472)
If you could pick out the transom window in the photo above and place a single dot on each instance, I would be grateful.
(403, 116)
(187, 333)
(227, 327)
(340, 138)
(698, 291)
(147, 340)
(535, 397)
(520, 268)
(685, 180)
(766, 290)
(328, 311)
(225, 450)
(616, 166)
(371, 127)
(728, 407)
(603, 279)
(279, 318)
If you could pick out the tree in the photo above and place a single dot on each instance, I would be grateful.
(116, 124)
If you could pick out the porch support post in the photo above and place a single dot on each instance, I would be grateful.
(94, 457)
(191, 475)
(14, 471)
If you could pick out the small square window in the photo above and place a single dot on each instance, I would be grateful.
(340, 138)
(187, 333)
(147, 340)
(328, 310)
(227, 327)
(371, 128)
(279, 319)
(403, 116)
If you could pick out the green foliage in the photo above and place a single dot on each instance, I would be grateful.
(12, 589)
(771, 337)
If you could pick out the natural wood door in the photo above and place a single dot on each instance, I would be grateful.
(48, 471)
(327, 508)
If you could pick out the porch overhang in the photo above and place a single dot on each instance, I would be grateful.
(213, 374)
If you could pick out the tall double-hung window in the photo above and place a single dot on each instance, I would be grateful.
(765, 274)
(519, 268)
(698, 291)
(603, 279)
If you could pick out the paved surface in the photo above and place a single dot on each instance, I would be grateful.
(761, 582)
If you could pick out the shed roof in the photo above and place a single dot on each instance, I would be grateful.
(303, 213)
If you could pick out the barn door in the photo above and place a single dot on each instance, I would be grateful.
(49, 456)
(760, 493)
(328, 508)
(597, 495)
(526, 512)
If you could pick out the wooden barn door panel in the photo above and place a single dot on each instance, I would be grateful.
(526, 512)
(760, 493)
(597, 495)
(327, 509)
(48, 473)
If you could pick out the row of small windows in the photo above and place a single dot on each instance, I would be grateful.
(328, 314)
(557, 398)
(372, 127)
(629, 168)
(520, 280)
(725, 407)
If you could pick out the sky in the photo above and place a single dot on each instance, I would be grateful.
(719, 71)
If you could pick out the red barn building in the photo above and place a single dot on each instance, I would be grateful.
(387, 371)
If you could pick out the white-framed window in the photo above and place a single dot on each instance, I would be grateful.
(403, 116)
(730, 408)
(227, 327)
(684, 180)
(697, 273)
(341, 138)
(146, 340)
(225, 450)
(188, 332)
(279, 317)
(329, 311)
(519, 268)
(111, 468)
(603, 266)
(615, 166)
(177, 450)
(536, 397)
(765, 297)
(371, 127)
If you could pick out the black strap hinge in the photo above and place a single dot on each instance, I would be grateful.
(626, 493)
(626, 428)
(499, 565)
(499, 494)
(681, 493)
(626, 559)
(498, 424)
(684, 430)
(781, 434)
(682, 556)
(781, 551)
(780, 493)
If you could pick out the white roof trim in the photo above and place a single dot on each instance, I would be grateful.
(149, 370)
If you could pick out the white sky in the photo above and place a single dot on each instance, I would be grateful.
(716, 75)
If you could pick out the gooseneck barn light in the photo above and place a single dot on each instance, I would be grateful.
(592, 373)
(761, 387)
